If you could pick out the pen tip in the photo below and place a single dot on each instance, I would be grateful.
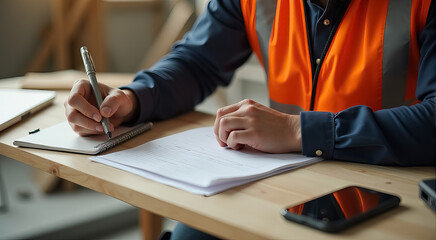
(109, 134)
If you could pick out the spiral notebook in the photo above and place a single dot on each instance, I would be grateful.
(61, 137)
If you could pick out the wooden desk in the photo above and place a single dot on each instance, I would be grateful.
(246, 212)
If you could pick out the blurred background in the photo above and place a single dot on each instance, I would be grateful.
(41, 39)
(123, 32)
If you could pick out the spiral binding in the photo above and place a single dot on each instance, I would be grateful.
(123, 137)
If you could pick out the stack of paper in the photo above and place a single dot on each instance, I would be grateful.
(193, 161)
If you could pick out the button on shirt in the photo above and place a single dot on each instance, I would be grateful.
(321, 23)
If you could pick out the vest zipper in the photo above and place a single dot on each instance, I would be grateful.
(324, 51)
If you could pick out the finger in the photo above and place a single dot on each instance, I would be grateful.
(111, 104)
(229, 124)
(216, 131)
(224, 111)
(78, 119)
(234, 109)
(220, 113)
(238, 139)
(230, 108)
(78, 101)
(81, 87)
(221, 143)
(83, 131)
(84, 107)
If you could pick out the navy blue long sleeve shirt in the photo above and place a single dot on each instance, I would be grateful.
(217, 45)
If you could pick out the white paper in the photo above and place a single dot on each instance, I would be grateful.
(193, 161)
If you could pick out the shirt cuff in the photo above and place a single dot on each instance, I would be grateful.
(317, 132)
(143, 94)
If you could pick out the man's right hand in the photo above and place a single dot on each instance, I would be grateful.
(85, 118)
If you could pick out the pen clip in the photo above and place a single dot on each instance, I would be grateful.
(87, 60)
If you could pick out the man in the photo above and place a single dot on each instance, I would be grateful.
(348, 80)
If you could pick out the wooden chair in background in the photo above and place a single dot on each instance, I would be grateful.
(73, 23)
(77, 23)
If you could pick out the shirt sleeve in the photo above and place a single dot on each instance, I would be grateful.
(404, 136)
(205, 58)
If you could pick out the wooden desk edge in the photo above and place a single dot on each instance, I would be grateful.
(141, 200)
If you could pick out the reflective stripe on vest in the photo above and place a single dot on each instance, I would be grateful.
(396, 53)
(372, 59)
(265, 12)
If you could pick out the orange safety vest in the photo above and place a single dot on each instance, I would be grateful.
(372, 58)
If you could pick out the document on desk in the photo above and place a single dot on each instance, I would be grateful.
(193, 161)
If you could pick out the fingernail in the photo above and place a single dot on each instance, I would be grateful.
(106, 110)
(96, 117)
(99, 128)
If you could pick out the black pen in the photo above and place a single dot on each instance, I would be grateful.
(90, 71)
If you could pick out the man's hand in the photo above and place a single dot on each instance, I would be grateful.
(265, 129)
(84, 117)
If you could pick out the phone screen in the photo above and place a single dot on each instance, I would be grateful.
(339, 209)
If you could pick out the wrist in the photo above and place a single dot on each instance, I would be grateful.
(295, 133)
(133, 102)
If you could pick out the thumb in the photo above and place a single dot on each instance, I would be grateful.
(110, 105)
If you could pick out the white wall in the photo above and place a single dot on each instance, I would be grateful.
(130, 31)
(21, 23)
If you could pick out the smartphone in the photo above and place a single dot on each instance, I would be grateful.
(338, 210)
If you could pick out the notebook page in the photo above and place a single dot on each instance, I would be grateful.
(61, 137)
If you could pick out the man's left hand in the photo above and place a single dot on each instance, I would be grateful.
(255, 125)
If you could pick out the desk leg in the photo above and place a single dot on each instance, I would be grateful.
(150, 224)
